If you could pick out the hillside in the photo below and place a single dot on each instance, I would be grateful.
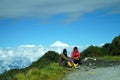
(42, 69)
(111, 49)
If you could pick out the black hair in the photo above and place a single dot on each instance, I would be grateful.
(75, 48)
(65, 52)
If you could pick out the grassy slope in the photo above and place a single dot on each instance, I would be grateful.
(50, 72)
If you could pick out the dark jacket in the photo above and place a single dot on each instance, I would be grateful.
(63, 59)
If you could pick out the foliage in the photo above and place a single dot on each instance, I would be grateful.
(91, 51)
(46, 59)
(8, 75)
(112, 49)
(50, 72)
(115, 46)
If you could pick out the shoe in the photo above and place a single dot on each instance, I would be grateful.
(69, 64)
(77, 67)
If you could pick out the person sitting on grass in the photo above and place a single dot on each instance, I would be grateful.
(63, 58)
(76, 56)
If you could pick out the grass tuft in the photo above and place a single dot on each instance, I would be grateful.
(114, 58)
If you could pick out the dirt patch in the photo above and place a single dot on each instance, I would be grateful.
(106, 63)
(105, 70)
(100, 63)
(101, 73)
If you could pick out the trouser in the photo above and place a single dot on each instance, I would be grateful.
(63, 63)
(77, 61)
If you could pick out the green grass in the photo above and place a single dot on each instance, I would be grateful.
(114, 58)
(50, 72)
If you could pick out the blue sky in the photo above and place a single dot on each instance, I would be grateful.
(43, 22)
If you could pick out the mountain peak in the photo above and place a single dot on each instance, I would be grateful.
(59, 44)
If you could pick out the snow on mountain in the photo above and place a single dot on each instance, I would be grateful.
(59, 44)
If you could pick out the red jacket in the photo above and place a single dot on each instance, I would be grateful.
(75, 54)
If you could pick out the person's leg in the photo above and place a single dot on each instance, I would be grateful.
(63, 63)
(70, 64)
(76, 61)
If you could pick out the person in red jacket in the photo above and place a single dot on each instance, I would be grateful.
(76, 55)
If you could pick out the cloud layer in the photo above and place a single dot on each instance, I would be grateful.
(23, 55)
(44, 9)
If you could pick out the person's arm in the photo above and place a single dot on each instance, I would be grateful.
(78, 55)
(64, 57)
(72, 55)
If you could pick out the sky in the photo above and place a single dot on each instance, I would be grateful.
(30, 28)
(66, 22)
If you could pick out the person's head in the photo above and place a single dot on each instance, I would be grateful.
(65, 51)
(75, 49)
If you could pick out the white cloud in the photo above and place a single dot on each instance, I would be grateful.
(59, 44)
(44, 9)
(101, 44)
(27, 45)
(19, 57)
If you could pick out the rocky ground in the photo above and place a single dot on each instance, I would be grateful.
(103, 70)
